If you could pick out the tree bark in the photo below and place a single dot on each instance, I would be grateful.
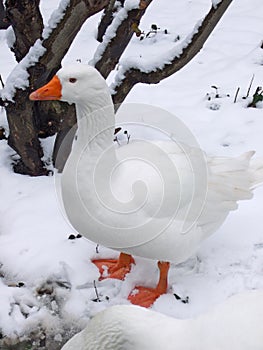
(106, 20)
(134, 75)
(23, 136)
(4, 23)
(27, 23)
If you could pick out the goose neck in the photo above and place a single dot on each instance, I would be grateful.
(95, 126)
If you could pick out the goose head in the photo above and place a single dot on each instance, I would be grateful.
(77, 83)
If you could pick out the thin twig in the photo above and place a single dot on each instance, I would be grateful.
(96, 291)
(235, 99)
(1, 81)
(251, 82)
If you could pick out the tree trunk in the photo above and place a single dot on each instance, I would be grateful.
(27, 24)
(23, 136)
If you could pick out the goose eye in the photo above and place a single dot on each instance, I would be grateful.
(72, 80)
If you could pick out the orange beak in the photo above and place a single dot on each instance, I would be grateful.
(50, 91)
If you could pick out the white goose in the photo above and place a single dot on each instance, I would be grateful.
(106, 201)
(235, 324)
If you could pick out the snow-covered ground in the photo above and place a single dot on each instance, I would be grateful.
(58, 294)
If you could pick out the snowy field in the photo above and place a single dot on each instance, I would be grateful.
(56, 294)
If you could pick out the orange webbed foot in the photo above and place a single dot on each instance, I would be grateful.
(114, 268)
(144, 296)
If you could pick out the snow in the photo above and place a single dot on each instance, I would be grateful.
(10, 37)
(131, 4)
(55, 17)
(215, 3)
(151, 63)
(119, 16)
(58, 292)
(18, 78)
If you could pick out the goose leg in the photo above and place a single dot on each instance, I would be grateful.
(114, 268)
(144, 296)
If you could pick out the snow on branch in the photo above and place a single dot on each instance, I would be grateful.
(19, 77)
(107, 18)
(55, 18)
(118, 35)
(130, 73)
(215, 3)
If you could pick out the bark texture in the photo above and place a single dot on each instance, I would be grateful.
(4, 22)
(27, 23)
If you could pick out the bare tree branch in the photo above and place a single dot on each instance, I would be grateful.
(106, 19)
(118, 43)
(135, 75)
(4, 22)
